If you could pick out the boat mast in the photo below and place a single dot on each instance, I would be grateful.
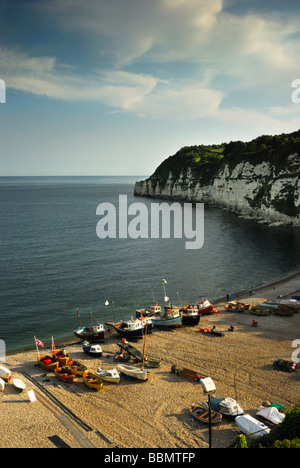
(144, 348)
(78, 315)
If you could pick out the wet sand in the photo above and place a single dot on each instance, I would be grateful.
(155, 414)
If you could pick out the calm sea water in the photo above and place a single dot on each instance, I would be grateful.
(52, 260)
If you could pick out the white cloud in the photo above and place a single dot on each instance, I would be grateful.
(43, 76)
(245, 53)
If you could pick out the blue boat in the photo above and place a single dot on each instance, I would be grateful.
(94, 350)
(170, 318)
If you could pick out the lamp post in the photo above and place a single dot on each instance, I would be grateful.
(209, 389)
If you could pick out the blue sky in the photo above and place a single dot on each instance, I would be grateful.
(115, 86)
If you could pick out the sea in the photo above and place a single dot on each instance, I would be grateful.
(54, 264)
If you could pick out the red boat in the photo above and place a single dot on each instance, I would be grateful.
(205, 307)
(93, 334)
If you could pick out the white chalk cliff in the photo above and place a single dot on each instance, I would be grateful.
(258, 189)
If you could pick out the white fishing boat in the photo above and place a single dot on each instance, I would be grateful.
(2, 385)
(93, 350)
(132, 329)
(19, 384)
(111, 375)
(5, 373)
(251, 426)
(134, 372)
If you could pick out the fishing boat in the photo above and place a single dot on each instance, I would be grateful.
(48, 363)
(134, 372)
(190, 315)
(65, 374)
(61, 356)
(5, 373)
(251, 426)
(2, 385)
(132, 329)
(76, 367)
(19, 385)
(93, 334)
(111, 375)
(92, 380)
(227, 407)
(205, 307)
(154, 310)
(170, 318)
(93, 350)
(200, 411)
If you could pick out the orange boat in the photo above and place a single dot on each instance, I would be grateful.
(61, 356)
(64, 374)
(49, 363)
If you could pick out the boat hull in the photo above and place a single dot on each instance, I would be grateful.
(201, 414)
(133, 372)
(190, 319)
(167, 322)
(48, 363)
(107, 376)
(76, 367)
(132, 334)
(92, 381)
(64, 374)
(91, 351)
(60, 356)
(94, 337)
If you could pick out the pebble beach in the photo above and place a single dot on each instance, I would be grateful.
(155, 414)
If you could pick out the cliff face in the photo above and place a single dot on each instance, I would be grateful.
(257, 186)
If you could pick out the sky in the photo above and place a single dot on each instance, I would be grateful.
(114, 87)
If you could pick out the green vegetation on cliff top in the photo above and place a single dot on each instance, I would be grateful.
(206, 160)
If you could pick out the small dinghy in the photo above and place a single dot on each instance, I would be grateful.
(76, 367)
(64, 374)
(5, 373)
(200, 411)
(92, 380)
(111, 375)
(251, 426)
(19, 385)
(134, 372)
(94, 350)
(2, 385)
